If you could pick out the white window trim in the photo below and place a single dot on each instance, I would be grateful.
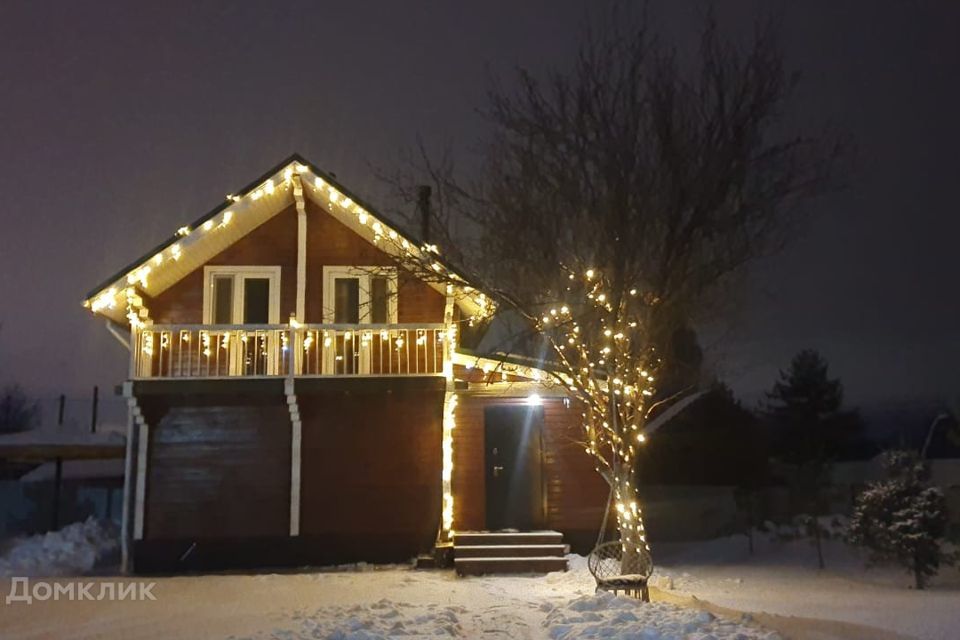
(363, 273)
(271, 273)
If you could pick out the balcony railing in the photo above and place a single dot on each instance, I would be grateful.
(229, 351)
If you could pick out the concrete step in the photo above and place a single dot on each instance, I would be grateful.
(510, 551)
(482, 566)
(484, 538)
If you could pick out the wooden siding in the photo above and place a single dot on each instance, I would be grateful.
(218, 466)
(575, 494)
(371, 460)
(274, 243)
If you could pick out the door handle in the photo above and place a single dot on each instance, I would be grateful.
(496, 470)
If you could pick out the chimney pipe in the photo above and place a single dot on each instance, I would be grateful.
(423, 208)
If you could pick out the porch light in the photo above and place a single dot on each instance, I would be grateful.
(534, 400)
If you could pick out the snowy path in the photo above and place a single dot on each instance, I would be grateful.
(782, 578)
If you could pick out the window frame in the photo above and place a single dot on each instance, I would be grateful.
(239, 274)
(363, 274)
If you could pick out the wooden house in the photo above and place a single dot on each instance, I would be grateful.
(298, 397)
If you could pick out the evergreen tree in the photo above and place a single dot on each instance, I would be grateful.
(715, 441)
(805, 408)
(902, 518)
(17, 411)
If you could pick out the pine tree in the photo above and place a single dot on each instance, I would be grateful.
(805, 406)
(902, 518)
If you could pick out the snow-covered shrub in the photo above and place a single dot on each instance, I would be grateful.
(902, 518)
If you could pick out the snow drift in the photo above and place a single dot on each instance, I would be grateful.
(616, 617)
(557, 606)
(74, 550)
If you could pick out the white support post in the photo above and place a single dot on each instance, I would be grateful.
(301, 247)
(143, 439)
(134, 352)
(295, 438)
(449, 339)
(138, 424)
(449, 420)
(125, 566)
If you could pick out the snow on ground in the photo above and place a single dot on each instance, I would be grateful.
(609, 616)
(559, 606)
(372, 603)
(782, 577)
(364, 602)
(73, 550)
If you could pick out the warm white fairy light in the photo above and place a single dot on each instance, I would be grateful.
(603, 349)
(106, 300)
(483, 308)
(449, 423)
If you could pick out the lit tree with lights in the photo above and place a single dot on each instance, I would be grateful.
(616, 201)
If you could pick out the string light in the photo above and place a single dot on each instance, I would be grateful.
(449, 423)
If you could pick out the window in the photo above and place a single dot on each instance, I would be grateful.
(241, 295)
(360, 295)
(379, 300)
(256, 300)
(346, 306)
(222, 300)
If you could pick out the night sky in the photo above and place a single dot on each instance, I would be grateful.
(119, 122)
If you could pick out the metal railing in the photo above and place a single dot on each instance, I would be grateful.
(228, 351)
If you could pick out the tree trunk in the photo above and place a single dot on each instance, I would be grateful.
(917, 574)
(630, 524)
(817, 541)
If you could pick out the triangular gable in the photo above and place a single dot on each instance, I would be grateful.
(195, 244)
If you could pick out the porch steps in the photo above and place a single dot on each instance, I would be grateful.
(478, 553)
(511, 551)
(511, 537)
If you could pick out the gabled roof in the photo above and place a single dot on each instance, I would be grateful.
(192, 245)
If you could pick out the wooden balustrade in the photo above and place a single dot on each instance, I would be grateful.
(229, 351)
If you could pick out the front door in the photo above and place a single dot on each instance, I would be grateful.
(513, 475)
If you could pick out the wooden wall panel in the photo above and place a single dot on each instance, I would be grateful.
(332, 243)
(218, 466)
(371, 461)
(274, 243)
(469, 477)
(575, 493)
(329, 243)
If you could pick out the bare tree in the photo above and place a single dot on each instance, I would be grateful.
(616, 198)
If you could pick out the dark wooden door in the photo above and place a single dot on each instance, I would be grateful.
(513, 474)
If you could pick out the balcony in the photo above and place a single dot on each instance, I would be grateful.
(163, 352)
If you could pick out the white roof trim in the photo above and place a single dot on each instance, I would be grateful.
(492, 364)
(196, 247)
